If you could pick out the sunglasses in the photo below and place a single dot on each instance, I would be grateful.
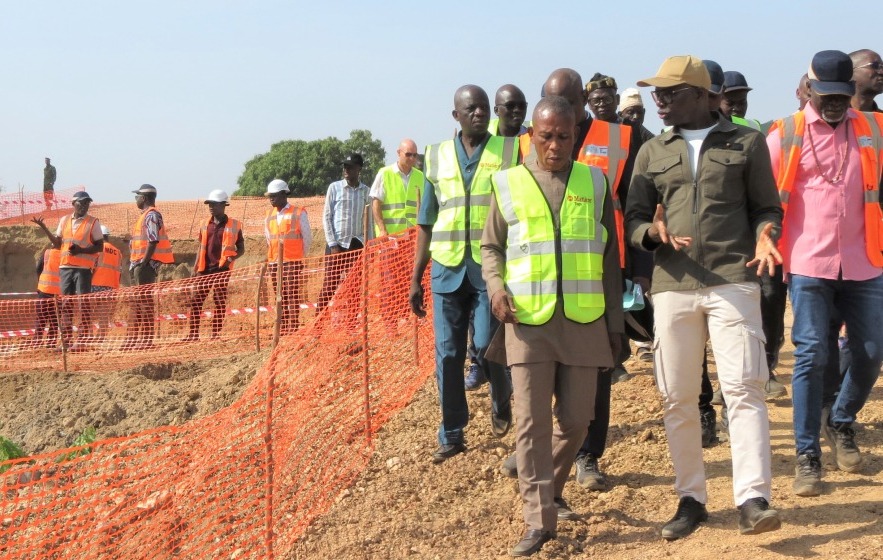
(876, 66)
(512, 105)
(411, 154)
(665, 97)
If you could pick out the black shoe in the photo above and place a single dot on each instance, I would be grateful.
(510, 467)
(755, 517)
(564, 511)
(708, 421)
(588, 475)
(446, 451)
(531, 542)
(808, 475)
(686, 520)
(500, 423)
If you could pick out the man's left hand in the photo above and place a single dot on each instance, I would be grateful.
(766, 256)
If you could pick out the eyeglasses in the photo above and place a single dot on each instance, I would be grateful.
(512, 105)
(410, 154)
(876, 66)
(602, 100)
(665, 97)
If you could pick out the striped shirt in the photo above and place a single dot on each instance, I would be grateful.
(343, 215)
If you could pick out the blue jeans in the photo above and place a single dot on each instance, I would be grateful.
(451, 323)
(859, 304)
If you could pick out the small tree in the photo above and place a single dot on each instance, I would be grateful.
(310, 166)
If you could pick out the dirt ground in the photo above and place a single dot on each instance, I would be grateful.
(405, 507)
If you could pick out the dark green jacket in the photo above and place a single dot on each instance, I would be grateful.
(723, 209)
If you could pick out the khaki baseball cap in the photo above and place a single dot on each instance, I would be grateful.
(678, 70)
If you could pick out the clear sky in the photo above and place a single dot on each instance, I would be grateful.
(180, 94)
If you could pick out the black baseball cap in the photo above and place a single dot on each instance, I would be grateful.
(717, 76)
(830, 73)
(735, 81)
(354, 159)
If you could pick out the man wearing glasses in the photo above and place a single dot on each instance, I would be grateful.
(868, 75)
(510, 106)
(704, 200)
(828, 160)
(395, 196)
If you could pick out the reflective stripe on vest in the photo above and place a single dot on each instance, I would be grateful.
(288, 233)
(607, 146)
(399, 206)
(50, 279)
(228, 243)
(82, 237)
(534, 247)
(139, 243)
(867, 129)
(107, 270)
(461, 214)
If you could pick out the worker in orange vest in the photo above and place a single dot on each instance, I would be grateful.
(287, 231)
(48, 289)
(105, 279)
(220, 244)
(149, 248)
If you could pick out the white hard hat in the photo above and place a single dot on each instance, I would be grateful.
(277, 186)
(104, 230)
(217, 195)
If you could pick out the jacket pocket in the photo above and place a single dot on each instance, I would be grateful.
(723, 175)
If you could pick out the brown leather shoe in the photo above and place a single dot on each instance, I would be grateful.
(446, 451)
(531, 542)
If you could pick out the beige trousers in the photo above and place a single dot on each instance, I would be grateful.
(545, 455)
(730, 316)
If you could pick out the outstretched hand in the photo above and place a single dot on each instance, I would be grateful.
(659, 233)
(766, 256)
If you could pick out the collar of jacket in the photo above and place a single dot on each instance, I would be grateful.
(723, 125)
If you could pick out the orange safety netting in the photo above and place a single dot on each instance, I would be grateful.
(182, 218)
(17, 207)
(246, 481)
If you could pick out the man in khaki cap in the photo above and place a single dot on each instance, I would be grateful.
(704, 200)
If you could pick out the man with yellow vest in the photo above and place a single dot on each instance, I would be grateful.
(395, 195)
(149, 249)
(453, 210)
(734, 103)
(220, 243)
(828, 162)
(550, 258)
(48, 288)
(106, 278)
(288, 234)
(79, 237)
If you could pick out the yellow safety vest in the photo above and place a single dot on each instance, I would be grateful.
(534, 246)
(461, 214)
(399, 206)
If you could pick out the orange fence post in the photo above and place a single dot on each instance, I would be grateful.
(268, 444)
(193, 221)
(278, 323)
(365, 366)
(60, 334)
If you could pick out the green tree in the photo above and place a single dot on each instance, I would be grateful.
(310, 166)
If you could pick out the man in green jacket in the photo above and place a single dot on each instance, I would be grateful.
(703, 198)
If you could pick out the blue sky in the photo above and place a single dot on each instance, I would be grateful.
(181, 94)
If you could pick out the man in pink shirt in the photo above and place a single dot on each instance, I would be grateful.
(827, 159)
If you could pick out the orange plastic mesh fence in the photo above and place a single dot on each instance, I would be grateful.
(18, 207)
(246, 481)
(182, 218)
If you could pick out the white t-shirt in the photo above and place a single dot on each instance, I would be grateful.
(694, 140)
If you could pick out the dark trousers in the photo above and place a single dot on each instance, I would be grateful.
(596, 439)
(337, 267)
(291, 298)
(46, 317)
(215, 281)
(143, 314)
(75, 281)
(773, 296)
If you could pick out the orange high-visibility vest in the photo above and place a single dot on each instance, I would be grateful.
(138, 244)
(107, 270)
(607, 146)
(867, 129)
(288, 232)
(82, 238)
(50, 278)
(228, 244)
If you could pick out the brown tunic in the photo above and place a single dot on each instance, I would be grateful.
(560, 339)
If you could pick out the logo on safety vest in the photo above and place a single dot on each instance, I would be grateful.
(578, 199)
(489, 165)
(593, 150)
(865, 142)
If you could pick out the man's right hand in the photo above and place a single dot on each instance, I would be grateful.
(503, 307)
(659, 233)
(336, 249)
(415, 298)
